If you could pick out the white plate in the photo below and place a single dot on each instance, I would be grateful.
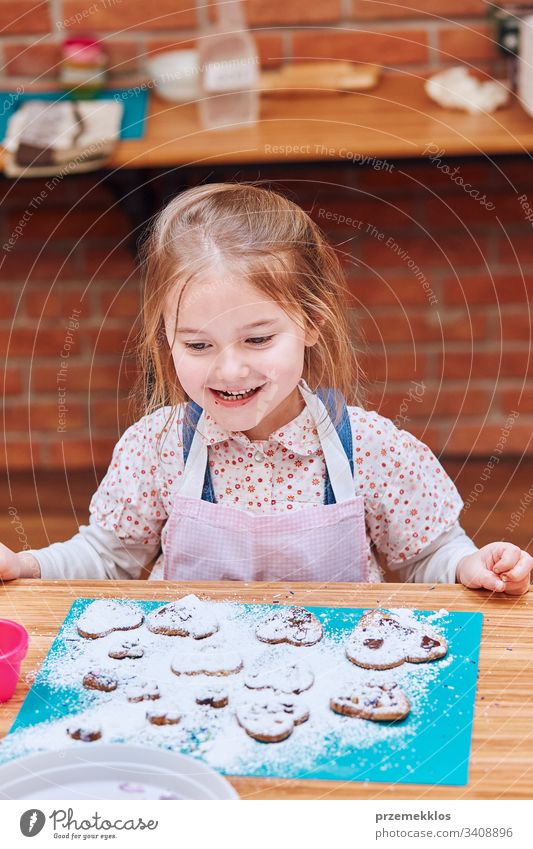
(111, 771)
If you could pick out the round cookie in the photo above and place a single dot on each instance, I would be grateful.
(85, 733)
(294, 625)
(142, 691)
(290, 678)
(272, 718)
(126, 649)
(163, 716)
(371, 700)
(207, 663)
(106, 615)
(215, 697)
(100, 679)
(187, 617)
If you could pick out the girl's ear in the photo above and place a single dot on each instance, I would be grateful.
(313, 333)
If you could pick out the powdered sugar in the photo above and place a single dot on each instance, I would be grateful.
(323, 743)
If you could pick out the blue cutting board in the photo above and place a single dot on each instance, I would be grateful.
(431, 746)
(134, 100)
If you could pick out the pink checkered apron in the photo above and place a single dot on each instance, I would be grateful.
(206, 541)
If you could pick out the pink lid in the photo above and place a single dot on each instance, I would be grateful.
(83, 49)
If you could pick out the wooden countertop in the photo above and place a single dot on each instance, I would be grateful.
(502, 746)
(396, 119)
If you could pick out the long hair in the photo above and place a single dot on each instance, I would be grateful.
(277, 248)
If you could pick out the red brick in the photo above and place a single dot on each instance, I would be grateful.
(515, 325)
(459, 209)
(21, 454)
(110, 341)
(120, 303)
(397, 365)
(96, 378)
(330, 213)
(111, 264)
(448, 250)
(520, 398)
(297, 12)
(415, 175)
(395, 326)
(128, 15)
(373, 9)
(468, 365)
(484, 439)
(33, 342)
(47, 303)
(269, 45)
(473, 289)
(430, 401)
(514, 249)
(112, 413)
(11, 381)
(465, 42)
(24, 17)
(78, 223)
(390, 291)
(24, 263)
(37, 416)
(402, 47)
(80, 453)
(32, 60)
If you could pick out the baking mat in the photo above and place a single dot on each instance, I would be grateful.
(430, 746)
(134, 100)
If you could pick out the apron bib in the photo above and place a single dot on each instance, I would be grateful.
(206, 541)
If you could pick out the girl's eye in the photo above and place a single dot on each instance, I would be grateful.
(201, 346)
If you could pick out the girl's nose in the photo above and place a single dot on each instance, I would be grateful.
(230, 367)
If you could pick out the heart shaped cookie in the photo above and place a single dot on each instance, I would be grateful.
(207, 663)
(371, 700)
(382, 641)
(272, 718)
(294, 625)
(187, 617)
(106, 615)
(100, 679)
(288, 678)
(122, 649)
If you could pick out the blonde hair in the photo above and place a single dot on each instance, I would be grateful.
(274, 244)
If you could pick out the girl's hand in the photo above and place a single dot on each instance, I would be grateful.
(498, 566)
(21, 565)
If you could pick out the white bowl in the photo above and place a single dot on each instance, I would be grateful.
(111, 771)
(176, 74)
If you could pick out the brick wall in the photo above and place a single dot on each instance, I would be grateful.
(414, 34)
(440, 283)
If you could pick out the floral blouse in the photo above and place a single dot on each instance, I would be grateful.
(409, 499)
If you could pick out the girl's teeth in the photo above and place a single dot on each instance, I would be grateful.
(237, 395)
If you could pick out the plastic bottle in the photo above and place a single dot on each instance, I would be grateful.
(229, 68)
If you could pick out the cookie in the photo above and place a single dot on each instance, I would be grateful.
(106, 615)
(290, 678)
(162, 716)
(207, 663)
(142, 691)
(85, 733)
(214, 697)
(188, 617)
(126, 649)
(371, 700)
(100, 679)
(382, 641)
(272, 718)
(294, 625)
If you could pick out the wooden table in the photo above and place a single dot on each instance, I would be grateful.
(394, 120)
(502, 754)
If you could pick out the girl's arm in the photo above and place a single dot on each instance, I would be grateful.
(439, 561)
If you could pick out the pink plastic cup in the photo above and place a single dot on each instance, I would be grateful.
(13, 648)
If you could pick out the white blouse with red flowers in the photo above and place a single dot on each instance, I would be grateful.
(410, 501)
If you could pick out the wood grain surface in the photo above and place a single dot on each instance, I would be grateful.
(501, 764)
(396, 120)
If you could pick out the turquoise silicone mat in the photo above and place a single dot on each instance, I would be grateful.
(430, 746)
(134, 101)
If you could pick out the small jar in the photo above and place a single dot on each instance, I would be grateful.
(84, 66)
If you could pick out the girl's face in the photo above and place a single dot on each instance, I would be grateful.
(231, 338)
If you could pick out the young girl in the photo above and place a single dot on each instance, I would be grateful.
(248, 464)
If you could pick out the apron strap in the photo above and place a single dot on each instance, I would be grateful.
(193, 412)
